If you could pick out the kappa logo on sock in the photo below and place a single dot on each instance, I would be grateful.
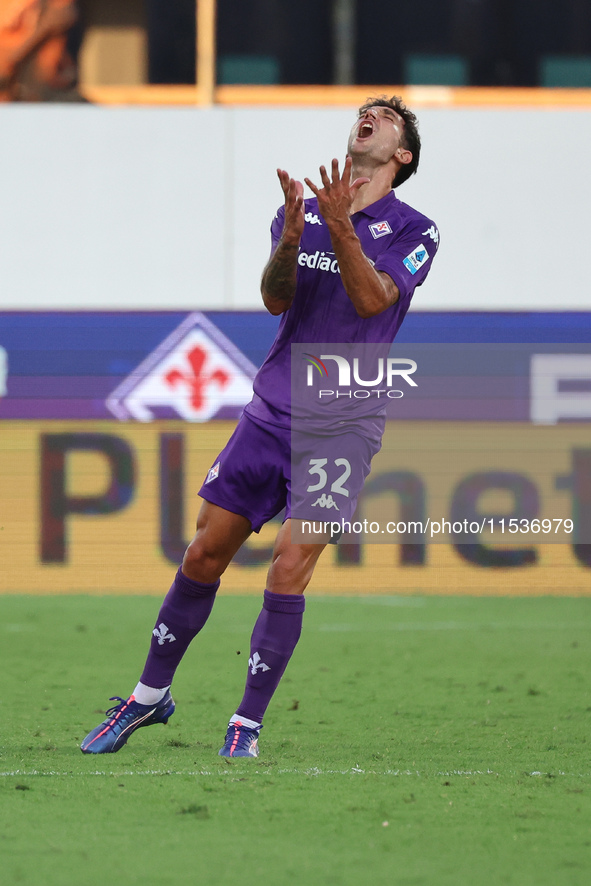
(255, 664)
(162, 633)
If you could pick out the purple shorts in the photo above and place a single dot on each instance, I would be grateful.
(258, 474)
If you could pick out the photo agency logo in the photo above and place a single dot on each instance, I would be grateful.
(358, 377)
(340, 395)
(500, 465)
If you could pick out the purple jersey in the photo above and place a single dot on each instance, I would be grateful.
(395, 238)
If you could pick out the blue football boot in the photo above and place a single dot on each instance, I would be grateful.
(122, 720)
(241, 741)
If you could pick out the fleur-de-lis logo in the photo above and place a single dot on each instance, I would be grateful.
(199, 380)
(256, 664)
(162, 633)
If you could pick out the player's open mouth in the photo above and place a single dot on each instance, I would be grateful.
(365, 129)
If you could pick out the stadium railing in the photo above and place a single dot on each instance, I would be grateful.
(415, 96)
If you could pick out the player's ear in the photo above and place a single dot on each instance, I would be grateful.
(403, 155)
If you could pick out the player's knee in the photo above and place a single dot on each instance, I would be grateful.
(295, 564)
(202, 562)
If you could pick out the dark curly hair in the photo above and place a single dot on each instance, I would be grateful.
(411, 139)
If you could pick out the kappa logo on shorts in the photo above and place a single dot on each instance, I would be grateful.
(326, 501)
(416, 259)
(213, 474)
(380, 229)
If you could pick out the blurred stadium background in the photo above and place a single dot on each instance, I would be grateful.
(136, 203)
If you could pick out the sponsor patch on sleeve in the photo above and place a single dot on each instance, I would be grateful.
(415, 259)
(380, 229)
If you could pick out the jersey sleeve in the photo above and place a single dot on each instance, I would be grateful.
(277, 228)
(407, 258)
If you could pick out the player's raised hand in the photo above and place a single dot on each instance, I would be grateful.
(293, 191)
(336, 196)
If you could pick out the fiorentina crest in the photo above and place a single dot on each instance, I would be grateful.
(196, 374)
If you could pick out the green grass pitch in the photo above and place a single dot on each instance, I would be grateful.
(414, 740)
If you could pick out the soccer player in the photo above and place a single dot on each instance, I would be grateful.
(343, 268)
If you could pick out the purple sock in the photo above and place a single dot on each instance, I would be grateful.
(183, 613)
(273, 641)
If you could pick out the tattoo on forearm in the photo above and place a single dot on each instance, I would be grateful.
(280, 275)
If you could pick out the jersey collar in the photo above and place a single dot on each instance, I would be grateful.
(380, 206)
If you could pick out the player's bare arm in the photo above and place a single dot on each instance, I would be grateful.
(370, 291)
(278, 283)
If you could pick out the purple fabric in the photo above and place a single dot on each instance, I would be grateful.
(183, 613)
(390, 233)
(251, 474)
(328, 492)
(273, 641)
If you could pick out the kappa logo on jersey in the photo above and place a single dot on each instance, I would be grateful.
(196, 373)
(312, 219)
(433, 234)
(163, 634)
(326, 501)
(416, 259)
(213, 474)
(380, 229)
(255, 664)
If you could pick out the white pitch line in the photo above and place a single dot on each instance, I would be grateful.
(341, 627)
(23, 773)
